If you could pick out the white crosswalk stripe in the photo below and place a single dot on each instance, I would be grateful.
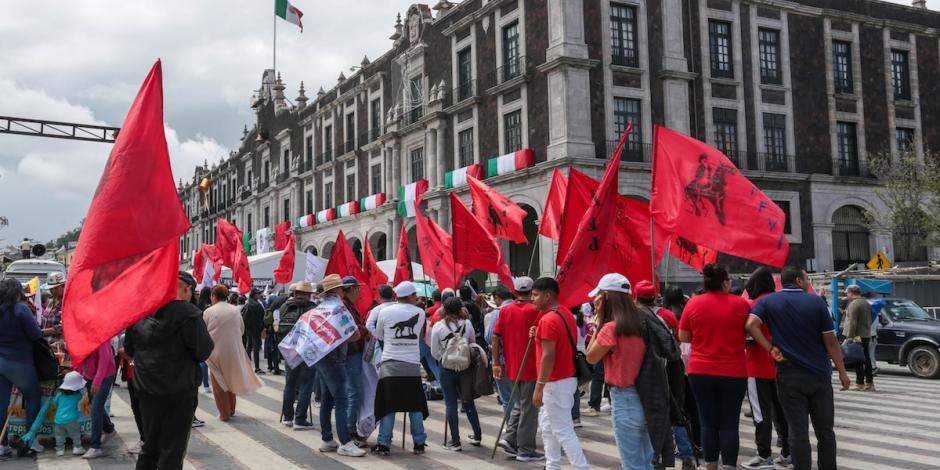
(894, 427)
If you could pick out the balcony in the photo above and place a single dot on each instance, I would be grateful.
(465, 90)
(413, 115)
(511, 69)
(849, 167)
(774, 161)
(626, 58)
(282, 177)
(246, 193)
(263, 185)
(327, 155)
(632, 151)
(375, 133)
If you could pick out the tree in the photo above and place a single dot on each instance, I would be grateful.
(910, 191)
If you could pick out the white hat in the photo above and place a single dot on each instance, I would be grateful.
(613, 282)
(55, 279)
(405, 289)
(522, 284)
(73, 382)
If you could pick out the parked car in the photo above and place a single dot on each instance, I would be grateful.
(909, 336)
(25, 269)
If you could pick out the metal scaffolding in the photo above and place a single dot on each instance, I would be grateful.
(58, 130)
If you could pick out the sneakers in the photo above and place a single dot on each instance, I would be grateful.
(198, 423)
(136, 449)
(759, 462)
(381, 450)
(329, 446)
(302, 426)
(605, 408)
(689, 464)
(452, 446)
(77, 451)
(360, 441)
(475, 441)
(530, 457)
(60, 453)
(349, 449)
(857, 387)
(590, 412)
(288, 422)
(870, 387)
(207, 390)
(37, 447)
(507, 447)
(106, 436)
(577, 422)
(93, 453)
(782, 461)
(5, 451)
(419, 449)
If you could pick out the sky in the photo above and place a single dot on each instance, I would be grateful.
(83, 61)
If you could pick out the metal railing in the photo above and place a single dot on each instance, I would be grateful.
(282, 177)
(263, 185)
(627, 58)
(632, 151)
(412, 115)
(774, 161)
(327, 155)
(246, 194)
(511, 69)
(848, 168)
(349, 145)
(375, 133)
(465, 90)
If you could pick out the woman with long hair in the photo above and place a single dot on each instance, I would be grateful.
(18, 330)
(714, 323)
(619, 343)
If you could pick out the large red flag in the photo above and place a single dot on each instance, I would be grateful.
(206, 254)
(403, 270)
(578, 194)
(284, 272)
(434, 246)
(280, 234)
(501, 217)
(474, 246)
(374, 275)
(343, 261)
(127, 259)
(228, 240)
(550, 226)
(698, 194)
(688, 252)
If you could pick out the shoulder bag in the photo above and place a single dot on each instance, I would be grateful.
(583, 371)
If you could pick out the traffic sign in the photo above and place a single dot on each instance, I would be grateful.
(879, 261)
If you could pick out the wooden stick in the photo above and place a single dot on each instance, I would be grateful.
(404, 424)
(515, 387)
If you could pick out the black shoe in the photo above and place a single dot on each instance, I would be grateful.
(419, 449)
(277, 371)
(259, 372)
(198, 423)
(360, 441)
(475, 441)
(381, 450)
(507, 447)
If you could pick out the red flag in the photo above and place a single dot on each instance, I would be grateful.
(698, 194)
(199, 264)
(374, 275)
(434, 246)
(593, 244)
(207, 253)
(126, 263)
(343, 261)
(501, 217)
(578, 194)
(403, 270)
(280, 234)
(550, 226)
(690, 253)
(631, 255)
(284, 272)
(228, 240)
(474, 246)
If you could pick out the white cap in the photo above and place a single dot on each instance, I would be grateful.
(405, 289)
(73, 382)
(613, 282)
(522, 284)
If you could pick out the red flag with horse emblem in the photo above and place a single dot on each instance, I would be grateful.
(474, 246)
(502, 217)
(699, 195)
(688, 252)
(403, 270)
(434, 246)
(374, 276)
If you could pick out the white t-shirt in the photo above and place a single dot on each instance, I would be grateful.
(374, 315)
(443, 329)
(399, 327)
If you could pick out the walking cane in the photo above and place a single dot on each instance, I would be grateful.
(6, 423)
(445, 430)
(404, 425)
(512, 395)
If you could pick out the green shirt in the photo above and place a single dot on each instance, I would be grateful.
(857, 319)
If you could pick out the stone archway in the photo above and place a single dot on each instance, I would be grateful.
(378, 241)
(413, 244)
(850, 237)
(327, 250)
(311, 249)
(356, 246)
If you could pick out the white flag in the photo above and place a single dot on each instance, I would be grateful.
(316, 266)
(264, 243)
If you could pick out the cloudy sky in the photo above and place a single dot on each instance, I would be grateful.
(82, 61)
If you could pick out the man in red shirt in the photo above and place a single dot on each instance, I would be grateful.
(556, 384)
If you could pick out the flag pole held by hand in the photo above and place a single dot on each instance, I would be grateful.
(512, 395)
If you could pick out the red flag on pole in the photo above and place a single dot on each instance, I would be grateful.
(501, 217)
(550, 226)
(688, 252)
(280, 234)
(284, 272)
(578, 194)
(210, 254)
(403, 270)
(434, 246)
(474, 246)
(126, 263)
(199, 263)
(343, 261)
(374, 275)
(228, 240)
(698, 194)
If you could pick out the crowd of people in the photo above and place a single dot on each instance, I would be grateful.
(672, 371)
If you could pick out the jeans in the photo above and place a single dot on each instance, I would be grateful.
(353, 390)
(719, 407)
(597, 387)
(429, 360)
(767, 414)
(387, 425)
(806, 397)
(683, 443)
(71, 430)
(298, 385)
(332, 374)
(863, 369)
(253, 347)
(168, 421)
(23, 375)
(557, 428)
(205, 374)
(450, 381)
(504, 389)
(100, 422)
(576, 405)
(274, 355)
(630, 432)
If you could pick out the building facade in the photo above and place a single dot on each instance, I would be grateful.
(796, 93)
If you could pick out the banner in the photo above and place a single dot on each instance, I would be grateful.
(316, 334)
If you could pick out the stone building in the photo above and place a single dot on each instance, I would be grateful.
(796, 93)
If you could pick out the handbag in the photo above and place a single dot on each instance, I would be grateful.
(44, 360)
(583, 371)
(852, 353)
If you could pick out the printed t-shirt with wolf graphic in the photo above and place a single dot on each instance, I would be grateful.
(399, 328)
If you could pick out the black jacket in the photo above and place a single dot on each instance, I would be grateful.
(269, 312)
(167, 348)
(253, 315)
(291, 311)
(652, 383)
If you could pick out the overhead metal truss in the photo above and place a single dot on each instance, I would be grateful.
(58, 130)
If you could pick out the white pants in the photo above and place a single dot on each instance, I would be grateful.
(557, 426)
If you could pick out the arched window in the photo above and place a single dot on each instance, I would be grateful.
(849, 238)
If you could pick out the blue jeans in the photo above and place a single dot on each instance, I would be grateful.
(387, 425)
(353, 390)
(100, 422)
(332, 374)
(450, 382)
(683, 442)
(630, 432)
(719, 409)
(298, 385)
(597, 387)
(205, 374)
(23, 375)
(576, 406)
(429, 359)
(504, 388)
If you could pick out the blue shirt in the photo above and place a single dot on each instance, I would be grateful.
(66, 406)
(18, 330)
(797, 321)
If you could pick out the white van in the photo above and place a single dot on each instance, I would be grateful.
(25, 270)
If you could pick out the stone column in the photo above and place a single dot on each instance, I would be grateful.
(441, 160)
(430, 137)
(822, 235)
(675, 74)
(396, 169)
(881, 239)
(390, 239)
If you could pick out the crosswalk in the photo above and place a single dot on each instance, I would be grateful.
(893, 428)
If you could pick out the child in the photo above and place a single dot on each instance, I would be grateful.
(67, 413)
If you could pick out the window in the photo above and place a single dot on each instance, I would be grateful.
(512, 128)
(900, 75)
(785, 207)
(286, 214)
(375, 109)
(350, 132)
(627, 111)
(768, 44)
(465, 148)
(377, 178)
(464, 74)
(267, 216)
(511, 60)
(250, 180)
(719, 48)
(328, 195)
(847, 144)
(309, 152)
(328, 144)
(904, 139)
(286, 166)
(842, 67)
(248, 224)
(350, 187)
(417, 164)
(267, 172)
(775, 141)
(726, 132)
(417, 99)
(623, 41)
(309, 207)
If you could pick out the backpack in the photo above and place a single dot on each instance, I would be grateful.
(456, 356)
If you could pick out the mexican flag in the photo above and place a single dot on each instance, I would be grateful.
(408, 194)
(306, 221)
(348, 209)
(371, 202)
(458, 177)
(289, 13)
(510, 162)
(326, 215)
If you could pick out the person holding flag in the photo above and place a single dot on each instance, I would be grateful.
(52, 314)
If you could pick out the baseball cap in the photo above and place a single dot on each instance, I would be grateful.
(405, 289)
(644, 290)
(351, 281)
(522, 284)
(613, 282)
(187, 278)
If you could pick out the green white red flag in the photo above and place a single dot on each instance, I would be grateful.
(289, 13)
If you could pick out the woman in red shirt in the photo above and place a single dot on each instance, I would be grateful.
(713, 322)
(762, 384)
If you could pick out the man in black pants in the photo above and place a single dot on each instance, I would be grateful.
(857, 328)
(167, 348)
(253, 315)
(804, 341)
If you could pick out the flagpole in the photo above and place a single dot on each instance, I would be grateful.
(535, 249)
(275, 42)
(652, 233)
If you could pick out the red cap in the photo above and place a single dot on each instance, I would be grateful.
(644, 290)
